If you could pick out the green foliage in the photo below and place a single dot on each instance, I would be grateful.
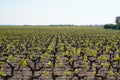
(2, 73)
(44, 56)
(1, 63)
(23, 62)
(94, 73)
(68, 53)
(111, 73)
(60, 64)
(75, 71)
(11, 58)
(91, 52)
(45, 73)
(85, 64)
(32, 55)
(78, 51)
(85, 58)
(102, 58)
(105, 64)
(117, 57)
(107, 48)
(50, 48)
(71, 60)
(49, 64)
(116, 74)
(66, 72)
(57, 57)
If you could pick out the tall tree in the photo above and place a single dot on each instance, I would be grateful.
(118, 22)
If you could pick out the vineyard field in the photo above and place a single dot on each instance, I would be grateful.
(59, 53)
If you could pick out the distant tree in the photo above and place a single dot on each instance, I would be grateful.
(118, 22)
(110, 26)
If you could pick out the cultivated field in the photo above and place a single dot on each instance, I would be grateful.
(59, 53)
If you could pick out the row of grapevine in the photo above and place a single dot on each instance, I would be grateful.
(59, 54)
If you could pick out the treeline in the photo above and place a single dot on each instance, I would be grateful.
(113, 26)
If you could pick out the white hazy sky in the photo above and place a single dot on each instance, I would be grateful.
(44, 12)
